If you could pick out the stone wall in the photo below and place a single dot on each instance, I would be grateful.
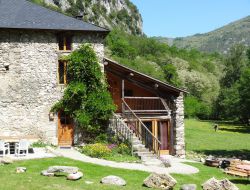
(178, 127)
(28, 81)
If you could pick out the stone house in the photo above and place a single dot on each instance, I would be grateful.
(32, 79)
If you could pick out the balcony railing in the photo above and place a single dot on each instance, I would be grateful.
(146, 105)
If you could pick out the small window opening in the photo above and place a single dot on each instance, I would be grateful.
(65, 119)
(128, 92)
(65, 43)
(62, 72)
(7, 68)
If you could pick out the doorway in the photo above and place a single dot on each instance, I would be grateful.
(65, 130)
(161, 130)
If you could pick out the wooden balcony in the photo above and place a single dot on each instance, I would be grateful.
(146, 105)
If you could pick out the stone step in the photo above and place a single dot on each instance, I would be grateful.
(135, 142)
(146, 153)
(141, 150)
(138, 147)
(147, 157)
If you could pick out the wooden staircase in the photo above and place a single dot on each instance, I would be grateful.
(120, 128)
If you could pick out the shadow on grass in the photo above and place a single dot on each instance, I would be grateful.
(240, 154)
(238, 129)
(231, 126)
(240, 181)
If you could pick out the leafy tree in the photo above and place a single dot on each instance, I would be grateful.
(244, 92)
(86, 98)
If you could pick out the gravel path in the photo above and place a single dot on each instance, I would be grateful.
(177, 166)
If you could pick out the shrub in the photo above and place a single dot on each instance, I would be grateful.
(97, 150)
(39, 144)
(123, 149)
(102, 138)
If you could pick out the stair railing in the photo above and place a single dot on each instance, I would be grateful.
(140, 129)
(121, 129)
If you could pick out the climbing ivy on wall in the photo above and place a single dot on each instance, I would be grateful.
(86, 98)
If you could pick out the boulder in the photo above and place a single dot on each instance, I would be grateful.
(223, 184)
(45, 173)
(63, 169)
(113, 180)
(160, 181)
(6, 160)
(188, 187)
(75, 176)
(20, 170)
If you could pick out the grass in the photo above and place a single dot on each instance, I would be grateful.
(230, 140)
(123, 158)
(207, 173)
(200, 138)
(32, 180)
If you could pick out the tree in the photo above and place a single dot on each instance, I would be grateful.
(86, 98)
(244, 91)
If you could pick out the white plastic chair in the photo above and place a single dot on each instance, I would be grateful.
(3, 147)
(22, 148)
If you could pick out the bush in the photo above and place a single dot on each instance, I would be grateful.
(102, 138)
(97, 150)
(123, 149)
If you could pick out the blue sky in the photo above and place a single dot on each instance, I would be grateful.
(179, 18)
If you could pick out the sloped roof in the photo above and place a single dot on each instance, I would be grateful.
(22, 14)
(145, 79)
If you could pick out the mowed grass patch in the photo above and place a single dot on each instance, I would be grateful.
(230, 140)
(32, 180)
(206, 173)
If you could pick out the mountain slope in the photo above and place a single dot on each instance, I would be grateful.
(219, 40)
(111, 14)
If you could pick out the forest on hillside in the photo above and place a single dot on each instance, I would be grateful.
(218, 86)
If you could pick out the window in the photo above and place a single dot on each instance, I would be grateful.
(65, 43)
(62, 72)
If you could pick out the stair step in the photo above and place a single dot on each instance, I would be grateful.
(144, 153)
(138, 147)
(135, 142)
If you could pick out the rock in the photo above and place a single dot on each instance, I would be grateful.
(166, 162)
(75, 176)
(20, 170)
(202, 160)
(45, 173)
(113, 180)
(188, 187)
(160, 181)
(64, 169)
(6, 160)
(214, 184)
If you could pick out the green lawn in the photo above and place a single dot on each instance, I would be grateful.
(200, 137)
(32, 180)
(228, 141)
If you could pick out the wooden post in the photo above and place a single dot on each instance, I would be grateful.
(123, 89)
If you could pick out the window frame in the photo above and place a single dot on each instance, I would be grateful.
(65, 38)
(65, 63)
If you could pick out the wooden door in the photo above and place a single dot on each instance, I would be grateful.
(161, 130)
(65, 130)
(163, 134)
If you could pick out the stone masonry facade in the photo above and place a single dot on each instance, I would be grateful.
(28, 80)
(178, 127)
